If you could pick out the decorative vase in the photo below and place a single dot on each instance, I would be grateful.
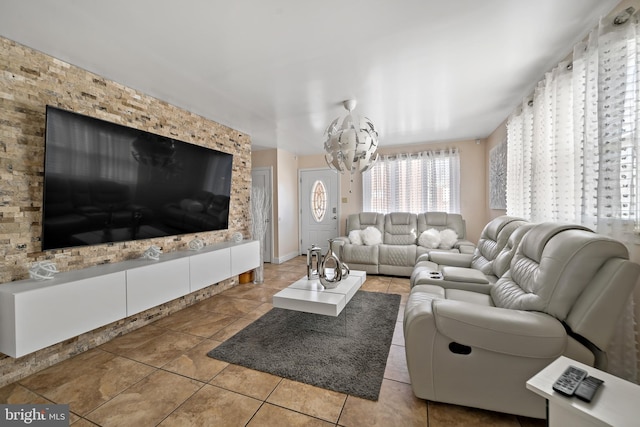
(258, 273)
(314, 259)
(332, 264)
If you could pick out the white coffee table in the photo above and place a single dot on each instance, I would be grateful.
(310, 296)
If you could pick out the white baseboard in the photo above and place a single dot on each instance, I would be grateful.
(284, 258)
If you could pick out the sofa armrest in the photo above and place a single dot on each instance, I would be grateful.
(338, 243)
(501, 330)
(451, 258)
(465, 247)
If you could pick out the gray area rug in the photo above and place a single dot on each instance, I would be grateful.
(313, 349)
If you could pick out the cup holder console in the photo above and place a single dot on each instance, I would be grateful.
(435, 275)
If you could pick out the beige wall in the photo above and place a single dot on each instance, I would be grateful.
(472, 182)
(31, 80)
(287, 184)
(285, 200)
(473, 186)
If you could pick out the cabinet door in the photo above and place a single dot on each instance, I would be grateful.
(245, 257)
(209, 268)
(155, 284)
(53, 314)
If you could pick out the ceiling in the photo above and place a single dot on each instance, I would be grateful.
(422, 70)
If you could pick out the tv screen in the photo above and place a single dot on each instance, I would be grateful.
(104, 183)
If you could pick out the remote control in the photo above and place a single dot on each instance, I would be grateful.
(569, 380)
(587, 388)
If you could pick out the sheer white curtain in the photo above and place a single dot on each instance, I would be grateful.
(418, 182)
(572, 152)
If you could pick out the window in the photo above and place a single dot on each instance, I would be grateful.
(318, 201)
(420, 182)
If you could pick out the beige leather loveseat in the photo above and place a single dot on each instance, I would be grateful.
(561, 295)
(398, 248)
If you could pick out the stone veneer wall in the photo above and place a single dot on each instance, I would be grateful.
(29, 80)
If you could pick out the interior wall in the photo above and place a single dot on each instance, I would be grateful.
(30, 80)
(285, 200)
(473, 171)
(288, 239)
(262, 159)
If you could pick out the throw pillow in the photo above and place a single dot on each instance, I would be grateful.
(371, 236)
(430, 238)
(448, 238)
(355, 237)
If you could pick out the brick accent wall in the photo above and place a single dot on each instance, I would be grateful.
(29, 80)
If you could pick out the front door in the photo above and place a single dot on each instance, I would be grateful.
(318, 208)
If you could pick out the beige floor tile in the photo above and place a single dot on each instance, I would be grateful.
(375, 286)
(194, 322)
(87, 380)
(444, 415)
(399, 286)
(213, 406)
(232, 329)
(397, 365)
(15, 394)
(401, 311)
(260, 293)
(133, 339)
(532, 422)
(83, 423)
(397, 406)
(196, 364)
(260, 311)
(310, 400)
(246, 381)
(275, 416)
(147, 402)
(398, 334)
(162, 349)
(237, 307)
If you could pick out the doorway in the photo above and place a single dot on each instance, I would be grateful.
(319, 214)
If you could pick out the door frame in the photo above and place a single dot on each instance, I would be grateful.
(300, 201)
(268, 244)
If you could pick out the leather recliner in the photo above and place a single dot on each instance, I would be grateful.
(562, 295)
(398, 250)
(479, 270)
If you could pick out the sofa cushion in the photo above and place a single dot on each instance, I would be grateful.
(355, 237)
(400, 228)
(448, 238)
(461, 274)
(361, 254)
(398, 255)
(430, 238)
(371, 236)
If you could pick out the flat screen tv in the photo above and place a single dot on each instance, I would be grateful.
(105, 182)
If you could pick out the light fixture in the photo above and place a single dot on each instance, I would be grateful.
(351, 142)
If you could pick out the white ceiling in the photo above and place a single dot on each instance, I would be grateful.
(421, 70)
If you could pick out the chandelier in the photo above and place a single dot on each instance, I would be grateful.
(351, 142)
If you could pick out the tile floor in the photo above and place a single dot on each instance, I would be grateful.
(160, 375)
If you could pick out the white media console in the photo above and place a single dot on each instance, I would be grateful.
(35, 314)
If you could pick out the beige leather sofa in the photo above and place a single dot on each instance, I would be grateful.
(478, 271)
(399, 249)
(561, 295)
